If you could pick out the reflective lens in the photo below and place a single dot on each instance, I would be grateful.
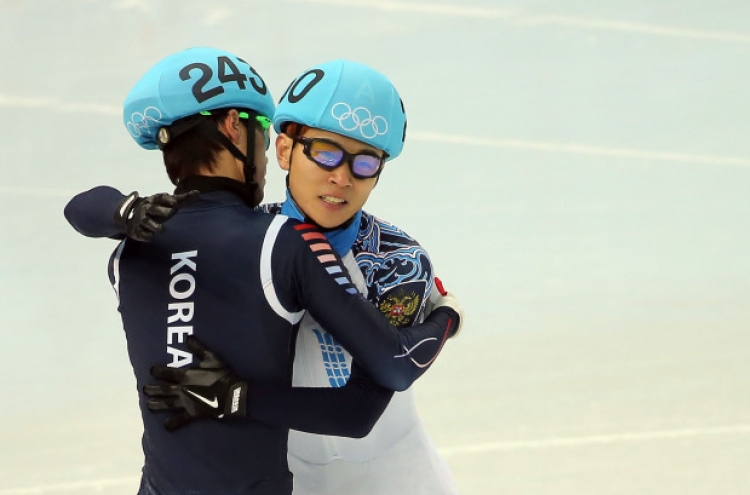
(262, 120)
(329, 155)
(325, 153)
(265, 124)
(366, 165)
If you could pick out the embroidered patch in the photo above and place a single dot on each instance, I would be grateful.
(401, 304)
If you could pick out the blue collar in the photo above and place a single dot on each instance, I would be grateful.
(341, 240)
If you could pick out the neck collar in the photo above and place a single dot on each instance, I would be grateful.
(206, 184)
(340, 238)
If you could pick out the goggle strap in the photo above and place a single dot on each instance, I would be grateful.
(264, 121)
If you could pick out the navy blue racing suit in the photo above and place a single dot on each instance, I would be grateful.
(240, 281)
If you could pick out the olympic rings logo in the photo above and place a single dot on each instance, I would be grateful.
(140, 123)
(359, 118)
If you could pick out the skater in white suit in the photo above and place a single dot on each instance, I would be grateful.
(327, 116)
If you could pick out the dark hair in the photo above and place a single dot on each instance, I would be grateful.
(193, 149)
(293, 129)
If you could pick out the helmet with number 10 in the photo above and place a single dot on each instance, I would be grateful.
(346, 98)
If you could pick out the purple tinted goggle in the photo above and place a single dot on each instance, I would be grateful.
(328, 155)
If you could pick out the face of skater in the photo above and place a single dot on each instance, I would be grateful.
(337, 122)
(329, 196)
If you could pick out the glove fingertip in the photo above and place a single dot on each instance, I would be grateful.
(171, 427)
(176, 421)
(196, 346)
(161, 372)
(183, 199)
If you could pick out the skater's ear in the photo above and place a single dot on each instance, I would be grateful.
(284, 148)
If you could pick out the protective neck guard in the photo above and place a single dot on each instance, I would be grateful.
(340, 238)
(205, 184)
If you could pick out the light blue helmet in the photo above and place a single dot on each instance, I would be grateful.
(187, 83)
(347, 98)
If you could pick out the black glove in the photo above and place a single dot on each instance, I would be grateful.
(141, 218)
(211, 390)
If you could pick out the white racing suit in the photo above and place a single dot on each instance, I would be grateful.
(397, 458)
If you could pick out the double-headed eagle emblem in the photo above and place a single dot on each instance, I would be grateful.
(400, 307)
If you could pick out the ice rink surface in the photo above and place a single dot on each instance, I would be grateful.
(578, 170)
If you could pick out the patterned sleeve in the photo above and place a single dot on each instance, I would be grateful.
(398, 271)
(319, 283)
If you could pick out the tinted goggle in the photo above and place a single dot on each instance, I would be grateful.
(328, 155)
(263, 121)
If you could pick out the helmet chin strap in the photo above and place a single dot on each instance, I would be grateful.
(249, 165)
